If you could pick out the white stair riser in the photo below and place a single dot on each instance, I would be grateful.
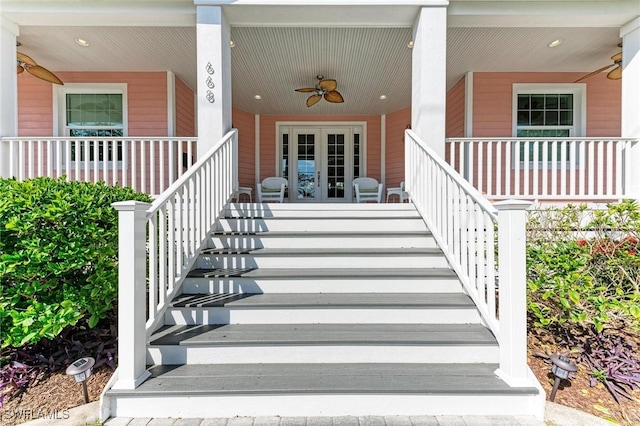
(314, 405)
(326, 354)
(326, 225)
(301, 241)
(327, 261)
(328, 285)
(276, 315)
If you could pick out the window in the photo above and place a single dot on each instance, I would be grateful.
(93, 111)
(547, 111)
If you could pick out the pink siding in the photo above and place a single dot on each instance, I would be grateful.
(492, 113)
(146, 95)
(397, 122)
(455, 110)
(268, 139)
(185, 110)
(493, 95)
(245, 123)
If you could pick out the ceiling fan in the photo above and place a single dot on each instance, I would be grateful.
(324, 88)
(614, 74)
(26, 63)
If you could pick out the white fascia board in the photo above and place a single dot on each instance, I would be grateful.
(176, 13)
(549, 13)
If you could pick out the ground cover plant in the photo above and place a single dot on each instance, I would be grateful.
(58, 269)
(583, 277)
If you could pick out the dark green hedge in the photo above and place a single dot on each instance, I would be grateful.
(58, 255)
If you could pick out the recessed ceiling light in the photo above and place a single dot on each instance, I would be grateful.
(232, 43)
(383, 97)
(555, 43)
(410, 44)
(82, 42)
(258, 97)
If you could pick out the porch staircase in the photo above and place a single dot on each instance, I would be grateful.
(322, 310)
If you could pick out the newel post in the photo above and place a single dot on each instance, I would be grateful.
(132, 275)
(512, 263)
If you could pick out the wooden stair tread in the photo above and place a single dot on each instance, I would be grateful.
(325, 300)
(337, 334)
(235, 379)
(326, 273)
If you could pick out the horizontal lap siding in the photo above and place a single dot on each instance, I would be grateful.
(455, 110)
(185, 109)
(492, 115)
(245, 123)
(397, 122)
(146, 103)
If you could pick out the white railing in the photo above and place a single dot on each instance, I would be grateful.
(159, 244)
(580, 169)
(470, 232)
(147, 164)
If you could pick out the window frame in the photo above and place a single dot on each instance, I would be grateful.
(60, 113)
(577, 130)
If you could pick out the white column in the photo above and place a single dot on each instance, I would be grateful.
(132, 274)
(630, 34)
(214, 76)
(429, 63)
(512, 261)
(8, 90)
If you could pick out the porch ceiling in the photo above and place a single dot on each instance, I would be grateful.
(273, 61)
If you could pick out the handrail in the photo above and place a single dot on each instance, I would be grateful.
(147, 164)
(180, 220)
(461, 220)
(558, 168)
(471, 233)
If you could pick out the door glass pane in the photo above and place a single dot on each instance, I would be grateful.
(335, 174)
(306, 163)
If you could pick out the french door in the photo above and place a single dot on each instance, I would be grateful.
(322, 164)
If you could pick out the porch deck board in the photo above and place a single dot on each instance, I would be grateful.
(338, 334)
(301, 251)
(328, 300)
(235, 379)
(335, 273)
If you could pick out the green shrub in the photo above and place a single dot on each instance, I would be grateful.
(58, 255)
(584, 267)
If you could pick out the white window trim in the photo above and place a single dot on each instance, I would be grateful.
(579, 128)
(578, 90)
(59, 111)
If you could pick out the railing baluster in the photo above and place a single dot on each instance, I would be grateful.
(546, 145)
(601, 173)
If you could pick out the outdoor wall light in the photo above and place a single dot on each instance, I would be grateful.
(560, 369)
(81, 371)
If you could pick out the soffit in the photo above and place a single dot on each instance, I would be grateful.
(272, 62)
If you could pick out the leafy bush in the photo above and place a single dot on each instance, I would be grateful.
(58, 255)
(583, 277)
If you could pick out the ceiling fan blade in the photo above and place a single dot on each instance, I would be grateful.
(44, 74)
(20, 69)
(615, 74)
(617, 57)
(27, 60)
(328, 85)
(313, 99)
(333, 96)
(591, 74)
(306, 89)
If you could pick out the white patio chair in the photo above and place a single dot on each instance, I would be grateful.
(367, 189)
(271, 189)
(399, 191)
